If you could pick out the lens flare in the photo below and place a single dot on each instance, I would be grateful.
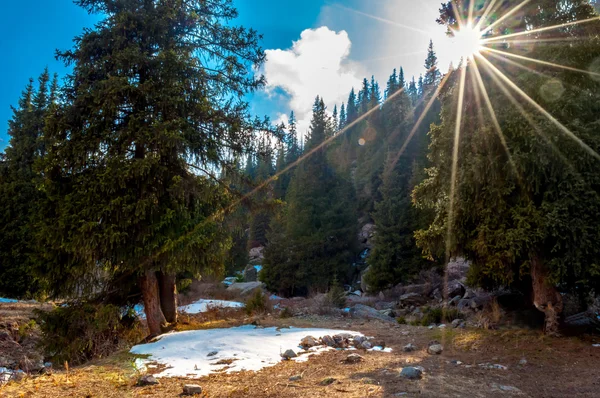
(467, 41)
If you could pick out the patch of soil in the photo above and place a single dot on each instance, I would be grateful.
(554, 368)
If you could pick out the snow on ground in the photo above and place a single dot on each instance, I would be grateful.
(7, 300)
(197, 307)
(203, 305)
(196, 353)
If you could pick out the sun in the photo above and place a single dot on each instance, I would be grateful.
(467, 41)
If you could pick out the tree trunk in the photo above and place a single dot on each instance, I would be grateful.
(168, 296)
(150, 293)
(546, 297)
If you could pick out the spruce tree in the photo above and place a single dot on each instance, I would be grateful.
(342, 117)
(413, 92)
(351, 107)
(432, 73)
(19, 192)
(156, 92)
(401, 80)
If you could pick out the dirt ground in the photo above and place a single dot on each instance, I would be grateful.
(564, 367)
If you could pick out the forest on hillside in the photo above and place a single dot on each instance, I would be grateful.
(145, 168)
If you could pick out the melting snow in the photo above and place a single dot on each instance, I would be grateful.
(203, 305)
(187, 353)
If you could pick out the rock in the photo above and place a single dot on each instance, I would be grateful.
(327, 381)
(505, 388)
(464, 304)
(246, 288)
(442, 326)
(358, 340)
(456, 323)
(341, 340)
(412, 299)
(381, 296)
(366, 312)
(411, 373)
(212, 353)
(435, 349)
(250, 273)
(356, 293)
(147, 380)
(493, 366)
(480, 301)
(523, 362)
(257, 254)
(192, 389)
(454, 288)
(309, 342)
(289, 354)
(457, 269)
(366, 345)
(353, 358)
(328, 341)
(409, 347)
(295, 378)
(388, 312)
(454, 301)
(367, 232)
(437, 294)
(469, 294)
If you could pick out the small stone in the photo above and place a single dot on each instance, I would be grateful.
(442, 326)
(212, 353)
(308, 342)
(289, 354)
(366, 345)
(147, 380)
(328, 341)
(192, 389)
(327, 381)
(456, 323)
(430, 327)
(353, 358)
(358, 340)
(295, 378)
(411, 373)
(435, 349)
(409, 348)
(523, 362)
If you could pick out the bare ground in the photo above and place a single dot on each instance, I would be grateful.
(564, 367)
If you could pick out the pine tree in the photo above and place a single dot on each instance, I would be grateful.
(392, 84)
(532, 226)
(420, 87)
(432, 74)
(342, 117)
(364, 97)
(351, 107)
(335, 119)
(20, 195)
(413, 92)
(401, 81)
(156, 92)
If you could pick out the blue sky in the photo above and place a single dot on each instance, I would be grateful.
(337, 44)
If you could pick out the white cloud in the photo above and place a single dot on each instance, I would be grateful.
(317, 64)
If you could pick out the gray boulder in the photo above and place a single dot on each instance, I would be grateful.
(457, 269)
(257, 254)
(412, 299)
(363, 282)
(328, 341)
(411, 373)
(353, 358)
(289, 354)
(250, 273)
(366, 312)
(309, 342)
(454, 288)
(147, 380)
(409, 348)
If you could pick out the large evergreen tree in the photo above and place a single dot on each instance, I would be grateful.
(156, 87)
(525, 215)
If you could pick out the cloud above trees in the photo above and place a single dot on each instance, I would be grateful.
(316, 64)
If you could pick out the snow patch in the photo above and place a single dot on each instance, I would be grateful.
(186, 353)
(204, 305)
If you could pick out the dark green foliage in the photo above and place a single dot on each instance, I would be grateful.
(19, 193)
(545, 208)
(439, 315)
(81, 331)
(312, 241)
(155, 102)
(257, 303)
(336, 296)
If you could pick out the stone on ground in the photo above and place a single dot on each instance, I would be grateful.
(353, 358)
(308, 342)
(295, 378)
(411, 373)
(409, 348)
(192, 389)
(435, 349)
(147, 380)
(289, 354)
